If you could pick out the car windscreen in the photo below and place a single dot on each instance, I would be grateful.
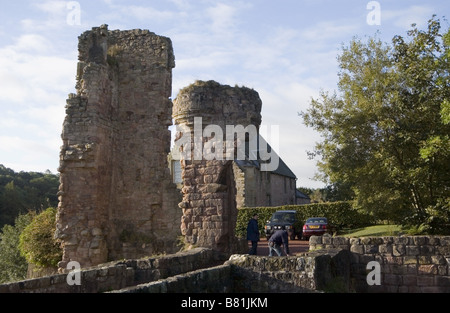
(283, 217)
(316, 221)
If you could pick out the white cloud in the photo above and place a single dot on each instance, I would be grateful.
(35, 84)
(29, 77)
(222, 17)
(27, 155)
(54, 7)
(326, 30)
(418, 14)
(147, 13)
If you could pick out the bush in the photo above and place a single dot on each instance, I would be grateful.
(37, 243)
(339, 214)
(13, 266)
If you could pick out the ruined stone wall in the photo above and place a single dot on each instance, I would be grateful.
(117, 199)
(209, 192)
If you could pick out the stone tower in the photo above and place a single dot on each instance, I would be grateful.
(209, 192)
(117, 199)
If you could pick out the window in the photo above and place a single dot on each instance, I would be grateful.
(176, 172)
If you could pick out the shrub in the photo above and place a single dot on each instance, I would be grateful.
(37, 243)
(340, 214)
(13, 266)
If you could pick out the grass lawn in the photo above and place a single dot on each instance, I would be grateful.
(377, 230)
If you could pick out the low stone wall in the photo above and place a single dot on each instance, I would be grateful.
(118, 275)
(407, 263)
(334, 264)
(211, 280)
(227, 278)
(326, 270)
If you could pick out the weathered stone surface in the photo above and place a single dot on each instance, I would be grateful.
(116, 196)
(209, 196)
(407, 264)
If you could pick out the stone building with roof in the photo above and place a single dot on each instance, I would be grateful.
(254, 188)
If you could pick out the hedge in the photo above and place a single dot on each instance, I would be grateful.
(339, 214)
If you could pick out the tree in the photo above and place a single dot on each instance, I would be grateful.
(13, 266)
(25, 191)
(380, 132)
(37, 243)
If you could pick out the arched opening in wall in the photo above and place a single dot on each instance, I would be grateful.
(229, 214)
(174, 159)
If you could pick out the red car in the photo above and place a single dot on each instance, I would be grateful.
(315, 226)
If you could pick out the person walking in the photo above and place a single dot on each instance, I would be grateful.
(278, 238)
(253, 234)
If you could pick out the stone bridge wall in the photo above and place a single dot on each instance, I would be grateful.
(407, 263)
(118, 275)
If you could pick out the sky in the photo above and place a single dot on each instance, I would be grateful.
(286, 50)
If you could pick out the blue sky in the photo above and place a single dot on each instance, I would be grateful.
(286, 50)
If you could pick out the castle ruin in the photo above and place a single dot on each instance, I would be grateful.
(117, 199)
(117, 196)
(209, 193)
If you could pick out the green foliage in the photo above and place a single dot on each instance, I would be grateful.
(37, 243)
(13, 266)
(331, 193)
(340, 214)
(25, 191)
(386, 133)
(372, 231)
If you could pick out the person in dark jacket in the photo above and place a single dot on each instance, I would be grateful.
(253, 234)
(279, 237)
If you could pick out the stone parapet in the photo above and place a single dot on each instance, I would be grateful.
(118, 275)
(407, 263)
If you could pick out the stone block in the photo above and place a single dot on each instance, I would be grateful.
(315, 240)
(357, 248)
(385, 249)
(412, 250)
(340, 241)
(430, 269)
(426, 281)
(370, 249)
(409, 280)
(392, 279)
(398, 249)
(427, 250)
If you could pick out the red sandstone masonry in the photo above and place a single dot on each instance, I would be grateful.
(209, 194)
(117, 199)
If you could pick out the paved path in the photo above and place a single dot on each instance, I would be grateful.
(295, 247)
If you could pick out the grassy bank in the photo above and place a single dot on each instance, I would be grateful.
(377, 230)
